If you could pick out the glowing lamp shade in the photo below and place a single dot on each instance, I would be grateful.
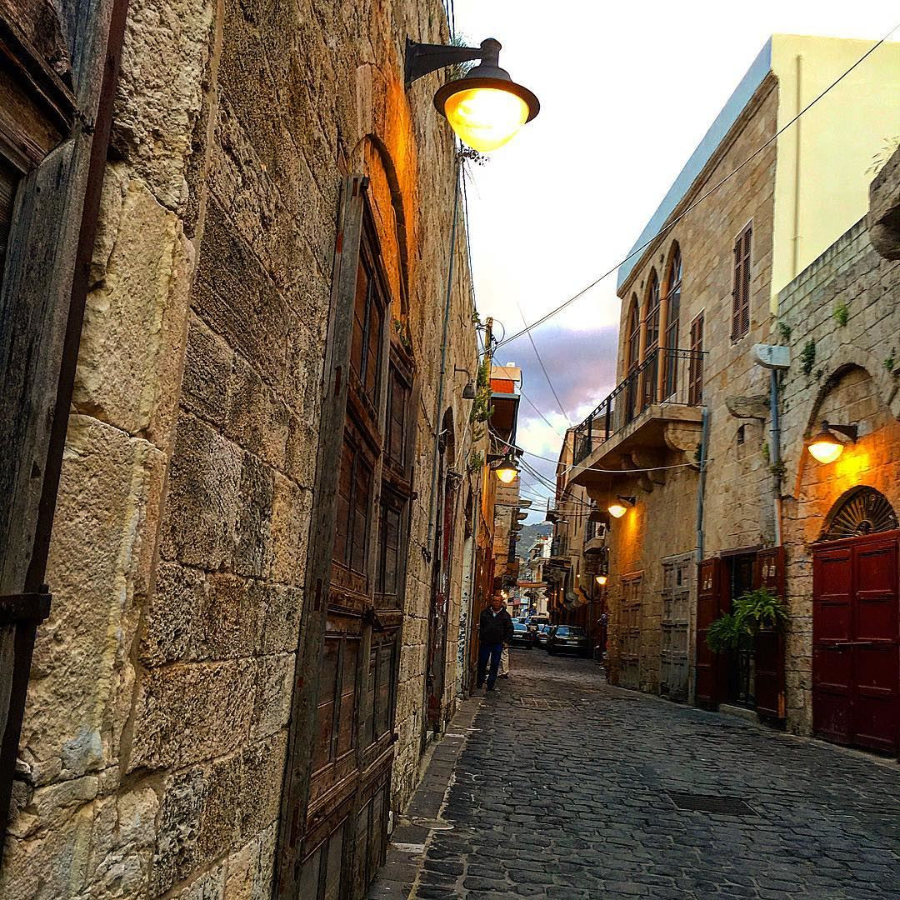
(506, 473)
(485, 118)
(617, 510)
(602, 579)
(825, 447)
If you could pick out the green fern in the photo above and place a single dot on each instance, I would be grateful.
(751, 613)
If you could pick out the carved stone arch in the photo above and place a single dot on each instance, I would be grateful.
(859, 511)
(674, 248)
(841, 363)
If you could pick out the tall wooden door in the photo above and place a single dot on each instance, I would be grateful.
(673, 670)
(768, 650)
(630, 632)
(337, 780)
(712, 601)
(856, 645)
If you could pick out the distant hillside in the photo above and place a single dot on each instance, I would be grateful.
(530, 533)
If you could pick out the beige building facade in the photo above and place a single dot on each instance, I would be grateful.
(684, 445)
(257, 554)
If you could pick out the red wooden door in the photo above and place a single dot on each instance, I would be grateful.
(768, 651)
(711, 601)
(856, 651)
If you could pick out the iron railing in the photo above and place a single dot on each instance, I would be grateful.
(667, 376)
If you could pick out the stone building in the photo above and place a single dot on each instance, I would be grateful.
(746, 215)
(841, 318)
(265, 503)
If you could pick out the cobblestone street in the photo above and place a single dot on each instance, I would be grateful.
(596, 807)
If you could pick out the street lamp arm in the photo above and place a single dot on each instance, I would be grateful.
(422, 59)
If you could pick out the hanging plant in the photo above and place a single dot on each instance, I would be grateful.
(482, 408)
(752, 613)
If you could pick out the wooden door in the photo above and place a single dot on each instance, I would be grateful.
(60, 63)
(856, 651)
(630, 632)
(673, 676)
(712, 601)
(768, 649)
(337, 780)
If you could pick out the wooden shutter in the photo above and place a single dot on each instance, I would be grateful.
(57, 85)
(712, 600)
(768, 572)
(740, 316)
(308, 686)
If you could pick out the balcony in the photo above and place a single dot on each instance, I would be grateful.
(657, 408)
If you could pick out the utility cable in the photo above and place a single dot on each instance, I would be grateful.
(666, 228)
(544, 368)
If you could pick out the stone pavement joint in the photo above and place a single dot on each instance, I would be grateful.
(572, 798)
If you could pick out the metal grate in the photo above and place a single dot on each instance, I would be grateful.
(723, 806)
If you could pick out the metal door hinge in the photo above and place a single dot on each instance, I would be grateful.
(25, 607)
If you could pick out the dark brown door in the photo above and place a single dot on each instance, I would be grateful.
(712, 601)
(768, 650)
(338, 775)
(856, 651)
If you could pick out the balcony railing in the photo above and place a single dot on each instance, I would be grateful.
(666, 376)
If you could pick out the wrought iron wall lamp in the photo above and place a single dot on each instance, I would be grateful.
(485, 108)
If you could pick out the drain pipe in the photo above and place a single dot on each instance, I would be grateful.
(775, 451)
(701, 488)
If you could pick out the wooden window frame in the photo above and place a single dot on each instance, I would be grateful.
(742, 262)
(695, 367)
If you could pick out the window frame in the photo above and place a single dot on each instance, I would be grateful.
(742, 263)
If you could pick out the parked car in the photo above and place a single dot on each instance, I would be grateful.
(568, 639)
(536, 621)
(541, 635)
(521, 637)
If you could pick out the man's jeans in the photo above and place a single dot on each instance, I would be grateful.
(493, 652)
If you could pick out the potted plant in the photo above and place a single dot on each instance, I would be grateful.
(752, 613)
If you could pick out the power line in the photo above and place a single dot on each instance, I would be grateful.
(544, 368)
(639, 250)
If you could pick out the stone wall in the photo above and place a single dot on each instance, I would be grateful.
(847, 306)
(155, 733)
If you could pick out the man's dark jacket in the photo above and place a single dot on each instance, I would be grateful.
(495, 629)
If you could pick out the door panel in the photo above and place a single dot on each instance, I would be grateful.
(711, 599)
(769, 645)
(832, 660)
(856, 652)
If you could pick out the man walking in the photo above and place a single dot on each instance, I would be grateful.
(494, 630)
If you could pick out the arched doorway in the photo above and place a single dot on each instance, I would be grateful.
(856, 615)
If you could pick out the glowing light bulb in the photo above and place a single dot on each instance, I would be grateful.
(617, 510)
(602, 579)
(825, 448)
(485, 118)
(507, 474)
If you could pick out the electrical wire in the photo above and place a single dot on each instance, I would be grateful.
(544, 368)
(666, 228)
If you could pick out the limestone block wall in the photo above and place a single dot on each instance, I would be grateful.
(157, 717)
(852, 378)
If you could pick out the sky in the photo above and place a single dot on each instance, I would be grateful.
(627, 91)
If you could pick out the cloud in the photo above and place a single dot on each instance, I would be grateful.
(582, 365)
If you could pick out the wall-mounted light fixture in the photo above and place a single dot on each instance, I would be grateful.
(486, 108)
(469, 390)
(621, 506)
(601, 579)
(825, 447)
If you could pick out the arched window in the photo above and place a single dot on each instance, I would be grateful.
(673, 299)
(652, 317)
(650, 367)
(634, 334)
(673, 312)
